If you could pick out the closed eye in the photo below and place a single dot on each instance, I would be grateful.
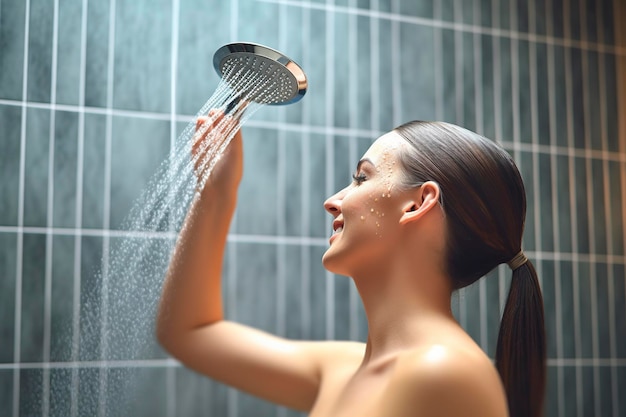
(359, 178)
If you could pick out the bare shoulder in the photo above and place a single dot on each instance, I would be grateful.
(443, 380)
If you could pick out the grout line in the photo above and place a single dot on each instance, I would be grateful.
(305, 194)
(352, 145)
(170, 377)
(574, 215)
(459, 97)
(608, 215)
(330, 157)
(232, 401)
(45, 411)
(478, 106)
(288, 240)
(396, 92)
(438, 42)
(17, 331)
(337, 131)
(586, 72)
(555, 212)
(173, 363)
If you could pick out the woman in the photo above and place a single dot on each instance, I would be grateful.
(431, 209)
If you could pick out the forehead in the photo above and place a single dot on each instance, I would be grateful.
(386, 146)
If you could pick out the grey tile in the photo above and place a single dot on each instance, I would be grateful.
(196, 80)
(317, 292)
(31, 389)
(585, 312)
(448, 66)
(197, 395)
(142, 80)
(560, 96)
(88, 391)
(593, 96)
(344, 163)
(12, 57)
(506, 7)
(136, 392)
(582, 205)
(256, 291)
(257, 203)
(94, 155)
(603, 299)
(343, 313)
(292, 213)
(578, 98)
(417, 73)
(9, 164)
(384, 120)
(469, 87)
(570, 390)
(600, 220)
(65, 169)
(556, 18)
(486, 13)
(522, 15)
(90, 299)
(248, 405)
(487, 85)
(345, 69)
(547, 198)
(33, 298)
(574, 19)
(616, 226)
(62, 293)
(6, 392)
(470, 312)
(319, 220)
(588, 401)
(97, 54)
(8, 261)
(608, 401)
(492, 290)
(551, 396)
(609, 77)
(563, 203)
(68, 56)
(61, 392)
(293, 264)
(36, 167)
(525, 166)
(416, 8)
(543, 93)
(550, 313)
(619, 295)
(568, 311)
(446, 9)
(524, 86)
(505, 87)
(540, 17)
(139, 148)
(317, 102)
(621, 385)
(40, 51)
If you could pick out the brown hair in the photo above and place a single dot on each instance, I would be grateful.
(484, 201)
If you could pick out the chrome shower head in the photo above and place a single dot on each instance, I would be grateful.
(275, 79)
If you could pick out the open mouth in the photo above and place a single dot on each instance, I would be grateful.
(337, 226)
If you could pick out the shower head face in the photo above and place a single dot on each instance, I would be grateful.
(260, 74)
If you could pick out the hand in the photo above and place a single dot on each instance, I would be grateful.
(225, 165)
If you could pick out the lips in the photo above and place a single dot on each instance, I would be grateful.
(337, 226)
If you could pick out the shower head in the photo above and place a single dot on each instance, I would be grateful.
(274, 78)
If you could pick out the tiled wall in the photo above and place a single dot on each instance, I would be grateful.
(93, 94)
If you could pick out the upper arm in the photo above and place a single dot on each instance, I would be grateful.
(444, 383)
(279, 370)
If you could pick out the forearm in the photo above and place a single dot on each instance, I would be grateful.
(192, 295)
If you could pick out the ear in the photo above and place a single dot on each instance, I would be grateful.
(426, 198)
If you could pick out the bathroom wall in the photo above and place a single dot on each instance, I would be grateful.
(93, 94)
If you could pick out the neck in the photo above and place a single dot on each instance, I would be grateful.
(404, 310)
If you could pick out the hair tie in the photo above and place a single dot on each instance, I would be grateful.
(517, 261)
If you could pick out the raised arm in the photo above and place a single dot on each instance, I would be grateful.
(190, 322)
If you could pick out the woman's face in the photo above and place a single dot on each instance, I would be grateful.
(367, 212)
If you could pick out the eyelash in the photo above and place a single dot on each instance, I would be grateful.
(359, 178)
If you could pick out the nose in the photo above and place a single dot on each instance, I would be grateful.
(333, 203)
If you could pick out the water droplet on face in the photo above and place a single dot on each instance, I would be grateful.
(362, 217)
(372, 210)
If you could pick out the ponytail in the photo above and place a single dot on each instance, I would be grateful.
(521, 348)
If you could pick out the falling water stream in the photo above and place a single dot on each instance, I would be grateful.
(117, 315)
